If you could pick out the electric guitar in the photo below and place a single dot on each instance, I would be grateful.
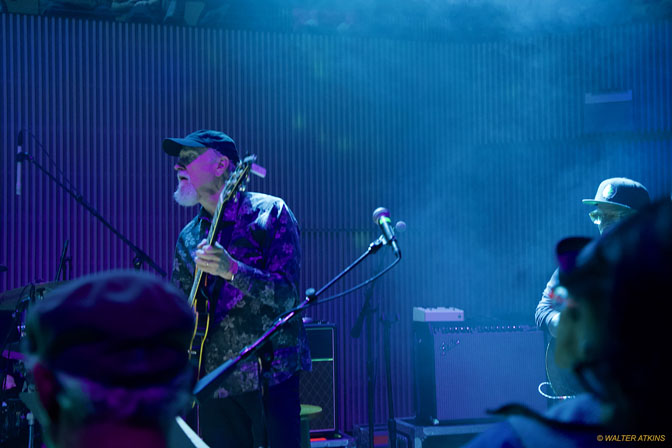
(198, 300)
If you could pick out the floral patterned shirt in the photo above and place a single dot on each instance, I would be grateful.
(262, 234)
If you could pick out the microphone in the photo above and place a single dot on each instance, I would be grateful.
(19, 152)
(381, 216)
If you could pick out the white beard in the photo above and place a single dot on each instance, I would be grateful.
(186, 195)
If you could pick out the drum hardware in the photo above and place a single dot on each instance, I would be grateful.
(26, 295)
(17, 396)
(17, 422)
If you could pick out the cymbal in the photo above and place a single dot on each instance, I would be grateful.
(13, 351)
(9, 299)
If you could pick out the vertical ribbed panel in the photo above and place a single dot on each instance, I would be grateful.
(478, 147)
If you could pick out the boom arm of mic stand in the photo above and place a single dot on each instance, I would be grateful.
(139, 254)
(207, 386)
(61, 263)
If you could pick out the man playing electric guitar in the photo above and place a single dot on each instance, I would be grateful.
(250, 276)
(616, 199)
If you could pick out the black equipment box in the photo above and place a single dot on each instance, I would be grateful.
(332, 440)
(412, 435)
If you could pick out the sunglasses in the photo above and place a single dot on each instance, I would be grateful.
(600, 216)
(186, 157)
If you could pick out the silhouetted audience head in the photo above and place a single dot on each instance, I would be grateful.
(109, 357)
(615, 327)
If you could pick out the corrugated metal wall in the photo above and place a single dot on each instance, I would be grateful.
(481, 148)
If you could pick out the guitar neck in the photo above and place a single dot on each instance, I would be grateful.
(228, 191)
(212, 237)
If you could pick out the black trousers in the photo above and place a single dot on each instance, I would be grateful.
(238, 421)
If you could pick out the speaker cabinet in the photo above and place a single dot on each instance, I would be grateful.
(318, 387)
(461, 372)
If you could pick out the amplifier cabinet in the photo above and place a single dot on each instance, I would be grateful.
(318, 387)
(462, 371)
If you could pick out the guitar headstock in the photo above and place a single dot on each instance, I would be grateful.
(239, 178)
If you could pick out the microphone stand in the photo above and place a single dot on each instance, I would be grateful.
(207, 386)
(140, 256)
(387, 350)
(366, 317)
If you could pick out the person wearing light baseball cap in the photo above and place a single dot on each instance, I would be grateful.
(613, 291)
(616, 199)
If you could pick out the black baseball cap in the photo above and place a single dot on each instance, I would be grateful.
(622, 192)
(204, 138)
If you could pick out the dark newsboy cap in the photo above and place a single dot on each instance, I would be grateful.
(125, 328)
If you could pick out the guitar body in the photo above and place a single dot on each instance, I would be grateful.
(563, 381)
(201, 327)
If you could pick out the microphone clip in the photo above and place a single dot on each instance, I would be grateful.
(377, 244)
